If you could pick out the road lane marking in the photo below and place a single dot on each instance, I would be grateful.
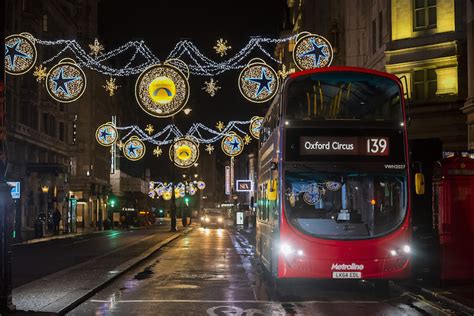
(233, 302)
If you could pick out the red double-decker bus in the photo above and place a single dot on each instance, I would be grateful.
(334, 185)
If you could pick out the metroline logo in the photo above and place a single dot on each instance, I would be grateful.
(353, 266)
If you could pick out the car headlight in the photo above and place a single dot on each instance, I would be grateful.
(219, 219)
(207, 219)
(202, 218)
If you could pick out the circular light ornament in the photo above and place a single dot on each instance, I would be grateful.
(134, 149)
(333, 185)
(232, 144)
(192, 190)
(106, 134)
(163, 90)
(258, 82)
(185, 151)
(20, 53)
(311, 198)
(312, 51)
(255, 126)
(201, 185)
(166, 195)
(66, 82)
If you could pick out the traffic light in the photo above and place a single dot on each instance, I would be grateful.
(112, 201)
(186, 200)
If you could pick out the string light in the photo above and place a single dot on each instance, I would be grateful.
(40, 73)
(110, 86)
(221, 47)
(211, 87)
(199, 65)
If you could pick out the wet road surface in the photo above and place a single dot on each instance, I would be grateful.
(214, 272)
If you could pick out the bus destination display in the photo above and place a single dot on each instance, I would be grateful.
(347, 146)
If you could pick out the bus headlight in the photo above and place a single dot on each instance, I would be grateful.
(406, 249)
(286, 249)
(393, 252)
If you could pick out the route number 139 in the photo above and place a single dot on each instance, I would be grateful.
(377, 146)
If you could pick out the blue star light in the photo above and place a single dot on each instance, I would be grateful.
(316, 52)
(104, 134)
(235, 144)
(13, 52)
(131, 150)
(61, 82)
(263, 82)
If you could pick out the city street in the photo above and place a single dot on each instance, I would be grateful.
(214, 272)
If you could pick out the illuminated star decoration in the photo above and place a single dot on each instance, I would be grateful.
(209, 148)
(104, 134)
(221, 47)
(220, 126)
(247, 139)
(13, 52)
(96, 48)
(211, 87)
(110, 86)
(157, 151)
(317, 51)
(40, 73)
(232, 145)
(149, 129)
(61, 82)
(263, 82)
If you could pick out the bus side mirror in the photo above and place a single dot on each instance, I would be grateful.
(419, 183)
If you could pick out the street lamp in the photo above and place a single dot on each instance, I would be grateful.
(45, 190)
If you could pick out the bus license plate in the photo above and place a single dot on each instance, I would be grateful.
(346, 275)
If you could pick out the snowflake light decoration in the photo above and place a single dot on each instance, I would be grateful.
(211, 87)
(283, 73)
(209, 148)
(96, 48)
(157, 151)
(110, 86)
(220, 126)
(40, 73)
(120, 144)
(247, 139)
(149, 129)
(222, 47)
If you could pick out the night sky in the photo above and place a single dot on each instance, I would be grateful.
(161, 24)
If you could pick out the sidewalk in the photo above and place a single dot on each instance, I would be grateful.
(458, 297)
(63, 290)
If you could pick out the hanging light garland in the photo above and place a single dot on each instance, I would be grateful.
(22, 49)
(157, 189)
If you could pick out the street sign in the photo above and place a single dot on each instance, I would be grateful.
(244, 185)
(15, 192)
(239, 218)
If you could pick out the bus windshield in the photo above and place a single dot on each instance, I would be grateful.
(345, 205)
(344, 96)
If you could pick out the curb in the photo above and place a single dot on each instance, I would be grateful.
(124, 268)
(450, 302)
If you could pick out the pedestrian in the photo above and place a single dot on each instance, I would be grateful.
(56, 221)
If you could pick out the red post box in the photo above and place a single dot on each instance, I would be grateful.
(453, 216)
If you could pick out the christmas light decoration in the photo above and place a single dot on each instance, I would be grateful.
(162, 90)
(220, 126)
(184, 152)
(40, 73)
(232, 144)
(247, 139)
(211, 87)
(258, 82)
(312, 51)
(66, 82)
(221, 47)
(200, 64)
(209, 148)
(201, 185)
(110, 86)
(149, 129)
(96, 48)
(134, 149)
(157, 151)
(255, 126)
(20, 53)
(158, 189)
(283, 73)
(106, 134)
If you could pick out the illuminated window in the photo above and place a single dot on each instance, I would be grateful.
(424, 84)
(424, 14)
